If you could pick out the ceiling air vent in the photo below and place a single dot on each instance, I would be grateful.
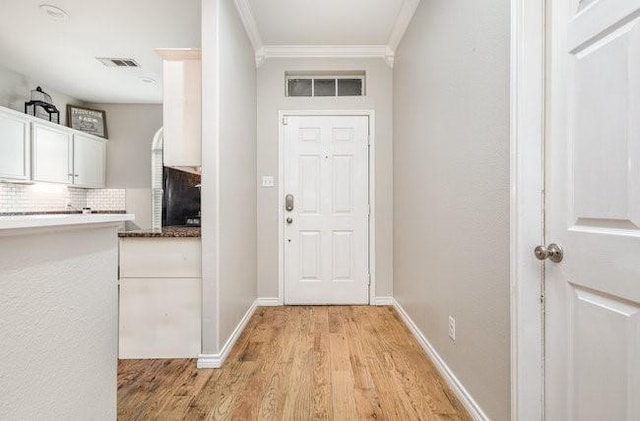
(118, 62)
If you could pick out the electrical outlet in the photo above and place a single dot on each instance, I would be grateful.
(452, 328)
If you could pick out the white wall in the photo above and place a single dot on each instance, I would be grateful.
(228, 173)
(59, 324)
(272, 99)
(15, 90)
(131, 128)
(451, 188)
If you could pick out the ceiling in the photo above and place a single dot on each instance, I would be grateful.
(326, 22)
(327, 28)
(62, 55)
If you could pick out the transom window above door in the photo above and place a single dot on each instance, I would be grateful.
(324, 85)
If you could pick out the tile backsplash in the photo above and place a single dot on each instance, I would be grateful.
(53, 197)
(106, 199)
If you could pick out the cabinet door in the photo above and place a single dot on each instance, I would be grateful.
(182, 125)
(89, 156)
(51, 154)
(160, 317)
(15, 147)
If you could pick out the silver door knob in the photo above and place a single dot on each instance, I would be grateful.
(552, 252)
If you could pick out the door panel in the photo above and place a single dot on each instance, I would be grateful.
(309, 184)
(310, 255)
(593, 211)
(326, 243)
(600, 358)
(342, 203)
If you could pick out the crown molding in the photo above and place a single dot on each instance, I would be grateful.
(324, 51)
(403, 20)
(250, 25)
(386, 52)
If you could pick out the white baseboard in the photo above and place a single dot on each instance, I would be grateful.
(268, 301)
(461, 393)
(216, 360)
(383, 301)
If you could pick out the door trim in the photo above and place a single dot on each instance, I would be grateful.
(527, 115)
(372, 214)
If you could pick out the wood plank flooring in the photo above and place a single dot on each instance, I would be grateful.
(298, 363)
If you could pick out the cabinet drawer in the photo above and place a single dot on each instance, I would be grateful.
(160, 258)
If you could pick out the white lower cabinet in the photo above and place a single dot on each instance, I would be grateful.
(160, 309)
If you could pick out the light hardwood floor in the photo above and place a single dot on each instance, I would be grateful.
(298, 363)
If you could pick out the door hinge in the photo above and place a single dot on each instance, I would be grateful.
(368, 140)
(369, 279)
(369, 210)
(284, 121)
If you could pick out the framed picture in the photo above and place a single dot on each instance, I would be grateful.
(87, 120)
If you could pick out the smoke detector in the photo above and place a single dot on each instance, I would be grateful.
(118, 62)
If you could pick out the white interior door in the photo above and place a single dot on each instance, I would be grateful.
(326, 223)
(593, 211)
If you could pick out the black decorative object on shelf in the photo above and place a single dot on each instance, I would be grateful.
(41, 106)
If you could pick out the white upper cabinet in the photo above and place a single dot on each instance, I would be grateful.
(52, 154)
(182, 108)
(35, 150)
(89, 159)
(15, 147)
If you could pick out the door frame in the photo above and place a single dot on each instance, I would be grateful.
(281, 191)
(527, 116)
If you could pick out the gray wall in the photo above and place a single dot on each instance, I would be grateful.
(451, 188)
(131, 128)
(15, 90)
(271, 99)
(228, 173)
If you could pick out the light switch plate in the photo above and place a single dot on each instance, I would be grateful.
(267, 181)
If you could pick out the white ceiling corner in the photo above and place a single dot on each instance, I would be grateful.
(244, 10)
(297, 36)
(402, 23)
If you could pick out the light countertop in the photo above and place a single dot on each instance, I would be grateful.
(12, 222)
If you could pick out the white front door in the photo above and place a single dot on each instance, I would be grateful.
(326, 245)
(593, 211)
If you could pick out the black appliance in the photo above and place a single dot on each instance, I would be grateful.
(181, 197)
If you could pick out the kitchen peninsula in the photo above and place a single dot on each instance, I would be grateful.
(58, 315)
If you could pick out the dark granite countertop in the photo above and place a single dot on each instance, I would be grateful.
(166, 232)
